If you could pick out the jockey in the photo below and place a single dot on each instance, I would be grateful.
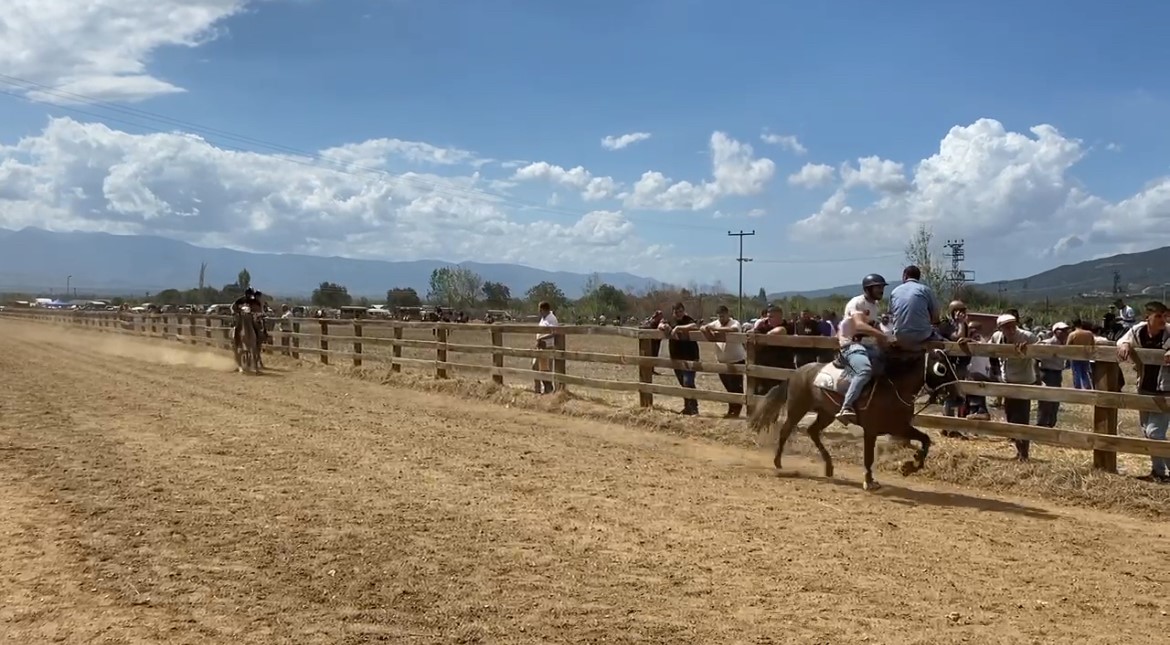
(861, 342)
(250, 298)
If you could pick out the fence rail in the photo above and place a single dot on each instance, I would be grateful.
(296, 337)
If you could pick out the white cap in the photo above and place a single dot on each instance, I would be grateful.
(1060, 325)
(1004, 319)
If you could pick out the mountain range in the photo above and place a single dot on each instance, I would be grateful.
(1144, 272)
(35, 260)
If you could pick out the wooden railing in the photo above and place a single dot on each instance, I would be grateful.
(320, 337)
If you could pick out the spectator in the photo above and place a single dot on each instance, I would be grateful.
(953, 328)
(681, 348)
(1052, 375)
(979, 370)
(1126, 313)
(772, 323)
(1019, 371)
(806, 326)
(544, 341)
(729, 352)
(1081, 336)
(655, 345)
(1153, 379)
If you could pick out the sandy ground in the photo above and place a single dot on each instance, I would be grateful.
(148, 494)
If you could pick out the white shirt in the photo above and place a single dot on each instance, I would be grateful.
(848, 329)
(548, 321)
(729, 352)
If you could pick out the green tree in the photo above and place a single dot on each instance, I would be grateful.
(331, 295)
(496, 294)
(547, 292)
(168, 297)
(920, 252)
(454, 286)
(762, 298)
(609, 300)
(402, 297)
(244, 279)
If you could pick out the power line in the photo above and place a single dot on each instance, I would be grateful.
(741, 259)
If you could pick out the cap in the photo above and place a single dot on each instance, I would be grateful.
(1004, 319)
(1060, 326)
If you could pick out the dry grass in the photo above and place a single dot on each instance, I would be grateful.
(1055, 473)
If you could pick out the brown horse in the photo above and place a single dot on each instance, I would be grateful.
(886, 406)
(247, 349)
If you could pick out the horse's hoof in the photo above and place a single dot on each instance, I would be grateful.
(828, 472)
(870, 485)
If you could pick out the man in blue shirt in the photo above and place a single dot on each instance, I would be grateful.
(914, 310)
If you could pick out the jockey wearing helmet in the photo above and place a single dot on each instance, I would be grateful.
(250, 298)
(861, 342)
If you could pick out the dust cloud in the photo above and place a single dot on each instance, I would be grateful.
(161, 352)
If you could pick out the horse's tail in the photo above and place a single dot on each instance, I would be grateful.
(767, 414)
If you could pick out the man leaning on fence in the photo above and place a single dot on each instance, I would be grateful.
(727, 352)
(682, 348)
(544, 340)
(1018, 371)
(1153, 378)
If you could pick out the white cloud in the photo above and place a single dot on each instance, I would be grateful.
(787, 141)
(734, 168)
(373, 153)
(99, 49)
(87, 176)
(622, 141)
(1012, 191)
(592, 188)
(812, 175)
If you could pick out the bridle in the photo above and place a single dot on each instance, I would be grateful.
(942, 364)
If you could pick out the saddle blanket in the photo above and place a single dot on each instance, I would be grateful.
(832, 378)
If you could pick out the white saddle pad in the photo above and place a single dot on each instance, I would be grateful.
(832, 378)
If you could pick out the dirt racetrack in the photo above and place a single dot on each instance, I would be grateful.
(148, 494)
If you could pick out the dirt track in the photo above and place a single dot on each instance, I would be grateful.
(150, 495)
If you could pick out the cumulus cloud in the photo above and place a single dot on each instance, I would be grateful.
(619, 142)
(88, 176)
(100, 49)
(591, 188)
(376, 152)
(812, 175)
(984, 182)
(787, 141)
(735, 170)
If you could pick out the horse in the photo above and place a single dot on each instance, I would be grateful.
(886, 406)
(248, 349)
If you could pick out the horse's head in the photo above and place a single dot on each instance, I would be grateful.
(940, 373)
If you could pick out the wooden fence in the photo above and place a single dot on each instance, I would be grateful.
(1106, 398)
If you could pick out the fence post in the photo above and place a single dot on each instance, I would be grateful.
(296, 339)
(191, 330)
(497, 357)
(645, 371)
(559, 363)
(207, 331)
(396, 350)
(441, 352)
(153, 324)
(1106, 378)
(324, 342)
(749, 381)
(357, 344)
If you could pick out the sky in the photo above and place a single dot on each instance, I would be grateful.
(603, 136)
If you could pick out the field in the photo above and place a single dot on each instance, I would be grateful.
(152, 495)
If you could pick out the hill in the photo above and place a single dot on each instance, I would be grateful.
(32, 259)
(1138, 272)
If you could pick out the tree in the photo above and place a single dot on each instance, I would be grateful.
(454, 286)
(402, 297)
(496, 294)
(168, 297)
(546, 292)
(331, 295)
(244, 279)
(920, 252)
(762, 298)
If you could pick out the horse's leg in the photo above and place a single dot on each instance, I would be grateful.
(798, 405)
(870, 444)
(823, 420)
(919, 462)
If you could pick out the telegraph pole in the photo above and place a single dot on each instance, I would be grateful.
(741, 259)
(957, 276)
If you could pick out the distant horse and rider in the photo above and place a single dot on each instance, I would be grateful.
(250, 331)
(874, 382)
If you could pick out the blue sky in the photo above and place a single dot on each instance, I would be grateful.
(544, 82)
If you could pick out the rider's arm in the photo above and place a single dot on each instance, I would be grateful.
(862, 326)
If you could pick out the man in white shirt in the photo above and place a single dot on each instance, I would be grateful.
(1020, 371)
(544, 341)
(729, 352)
(861, 342)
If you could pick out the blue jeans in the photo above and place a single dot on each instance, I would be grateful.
(1046, 410)
(1082, 375)
(686, 378)
(863, 361)
(1154, 425)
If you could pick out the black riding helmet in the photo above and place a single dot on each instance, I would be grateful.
(873, 280)
(249, 292)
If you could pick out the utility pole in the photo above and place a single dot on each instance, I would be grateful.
(741, 259)
(1116, 282)
(957, 276)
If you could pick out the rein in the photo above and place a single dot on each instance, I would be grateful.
(930, 391)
